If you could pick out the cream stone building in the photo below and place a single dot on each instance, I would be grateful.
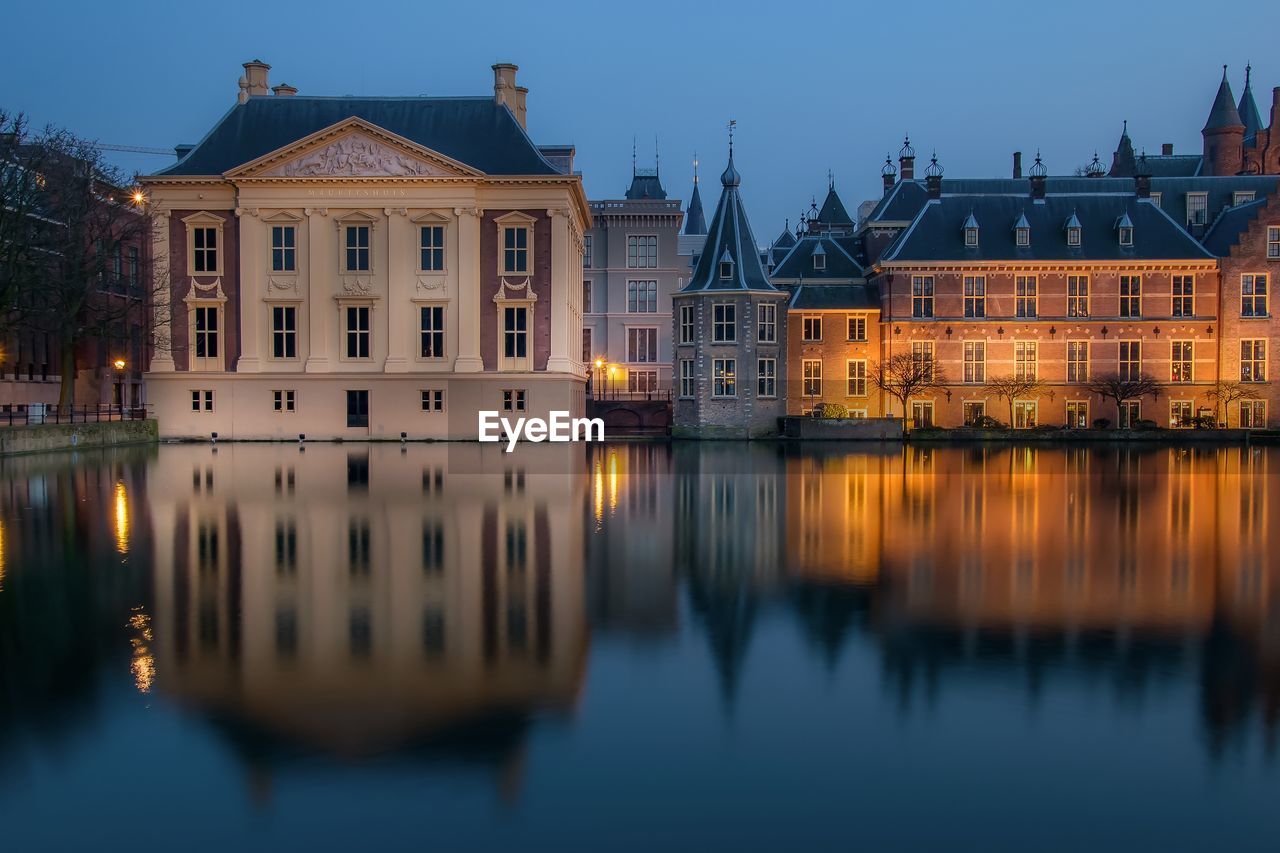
(367, 267)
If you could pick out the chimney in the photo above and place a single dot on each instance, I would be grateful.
(907, 160)
(504, 85)
(284, 90)
(1017, 164)
(522, 92)
(1166, 150)
(254, 81)
(1275, 109)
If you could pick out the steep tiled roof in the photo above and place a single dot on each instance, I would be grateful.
(729, 239)
(833, 211)
(1248, 109)
(694, 221)
(835, 297)
(1230, 224)
(474, 131)
(645, 184)
(798, 263)
(1224, 112)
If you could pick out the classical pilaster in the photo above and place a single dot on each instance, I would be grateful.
(400, 282)
(252, 289)
(321, 266)
(162, 285)
(469, 296)
(559, 360)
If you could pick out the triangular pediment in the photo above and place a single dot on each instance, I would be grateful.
(353, 148)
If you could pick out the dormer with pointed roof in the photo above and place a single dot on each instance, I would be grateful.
(1223, 133)
(1022, 231)
(1073, 230)
(970, 231)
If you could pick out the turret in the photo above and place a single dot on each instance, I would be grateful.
(1223, 134)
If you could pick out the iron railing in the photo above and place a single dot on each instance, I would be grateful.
(23, 415)
(610, 394)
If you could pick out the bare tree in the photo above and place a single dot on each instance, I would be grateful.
(1011, 388)
(1113, 386)
(85, 279)
(21, 219)
(1223, 394)
(904, 376)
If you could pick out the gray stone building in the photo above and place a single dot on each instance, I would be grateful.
(631, 267)
(730, 331)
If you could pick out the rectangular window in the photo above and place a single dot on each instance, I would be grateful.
(1197, 208)
(642, 252)
(1156, 198)
(687, 385)
(812, 377)
(515, 332)
(513, 400)
(1253, 360)
(588, 354)
(1026, 414)
(1130, 414)
(1077, 414)
(431, 331)
(922, 296)
(922, 413)
(1180, 414)
(1184, 296)
(642, 346)
(1273, 241)
(922, 358)
(856, 377)
(284, 248)
(133, 267)
(686, 324)
(283, 401)
(204, 247)
(812, 329)
(1022, 237)
(857, 328)
(974, 412)
(724, 377)
(206, 329)
(357, 409)
(643, 381)
(432, 400)
(724, 323)
(1025, 359)
(642, 297)
(1242, 197)
(202, 401)
(1077, 296)
(1253, 414)
(357, 331)
(767, 377)
(586, 252)
(357, 248)
(1181, 361)
(975, 296)
(975, 362)
(767, 328)
(1253, 295)
(1130, 359)
(1077, 361)
(586, 297)
(1130, 296)
(431, 248)
(284, 331)
(515, 250)
(1027, 290)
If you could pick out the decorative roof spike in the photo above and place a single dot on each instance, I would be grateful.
(970, 221)
(888, 169)
(934, 170)
(1141, 168)
(1038, 168)
(1073, 221)
(1095, 168)
(906, 150)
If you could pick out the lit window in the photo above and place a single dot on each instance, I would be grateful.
(975, 296)
(724, 377)
(1077, 414)
(357, 331)
(284, 331)
(812, 368)
(1253, 360)
(767, 328)
(642, 252)
(1077, 296)
(1184, 295)
(431, 331)
(767, 378)
(724, 326)
(284, 250)
(856, 377)
(431, 248)
(1181, 361)
(357, 246)
(1253, 295)
(975, 362)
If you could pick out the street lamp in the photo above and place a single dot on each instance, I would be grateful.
(119, 364)
(598, 391)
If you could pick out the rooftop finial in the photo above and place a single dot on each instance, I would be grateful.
(730, 177)
(1248, 71)
(695, 168)
(633, 155)
(1224, 72)
(831, 179)
(906, 150)
(1125, 131)
(656, 158)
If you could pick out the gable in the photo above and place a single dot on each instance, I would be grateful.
(353, 149)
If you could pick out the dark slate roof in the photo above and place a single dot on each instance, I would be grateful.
(729, 236)
(1173, 165)
(1248, 109)
(645, 184)
(694, 221)
(833, 211)
(1221, 190)
(1224, 112)
(937, 235)
(474, 131)
(900, 204)
(786, 239)
(798, 263)
(835, 297)
(1123, 160)
(1230, 224)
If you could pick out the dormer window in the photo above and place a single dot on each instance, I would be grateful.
(1124, 230)
(1022, 236)
(1073, 237)
(971, 238)
(1240, 198)
(1126, 236)
(819, 258)
(726, 266)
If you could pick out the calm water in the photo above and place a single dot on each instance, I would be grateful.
(695, 645)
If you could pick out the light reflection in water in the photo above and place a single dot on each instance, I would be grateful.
(143, 664)
(122, 517)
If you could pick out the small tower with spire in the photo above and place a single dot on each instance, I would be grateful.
(1248, 109)
(694, 222)
(1223, 134)
(1122, 161)
(729, 328)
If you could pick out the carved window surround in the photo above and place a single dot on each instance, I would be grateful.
(204, 219)
(431, 281)
(515, 296)
(512, 221)
(280, 282)
(356, 282)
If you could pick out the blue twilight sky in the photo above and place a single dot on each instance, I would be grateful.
(813, 86)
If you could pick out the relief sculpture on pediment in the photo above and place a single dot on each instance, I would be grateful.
(356, 156)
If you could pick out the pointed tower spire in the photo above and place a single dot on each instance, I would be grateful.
(1223, 134)
(1248, 109)
(1224, 113)
(1122, 161)
(694, 221)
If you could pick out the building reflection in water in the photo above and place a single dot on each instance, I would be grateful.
(355, 602)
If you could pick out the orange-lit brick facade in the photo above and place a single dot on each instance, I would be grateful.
(829, 358)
